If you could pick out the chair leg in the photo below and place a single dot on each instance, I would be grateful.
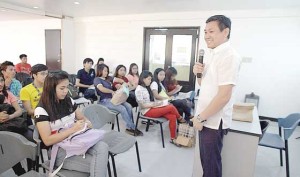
(148, 124)
(137, 122)
(162, 135)
(37, 164)
(108, 169)
(287, 165)
(114, 164)
(112, 126)
(138, 156)
(42, 159)
(280, 152)
(117, 118)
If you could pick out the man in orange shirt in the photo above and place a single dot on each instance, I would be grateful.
(23, 66)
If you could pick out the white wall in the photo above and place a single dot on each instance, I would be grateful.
(270, 37)
(68, 44)
(27, 36)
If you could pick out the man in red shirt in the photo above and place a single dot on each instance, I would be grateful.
(23, 66)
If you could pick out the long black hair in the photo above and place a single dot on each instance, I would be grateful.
(145, 74)
(117, 70)
(130, 69)
(4, 91)
(100, 69)
(49, 99)
(168, 79)
(155, 78)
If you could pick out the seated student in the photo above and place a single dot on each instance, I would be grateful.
(9, 73)
(85, 78)
(105, 91)
(23, 67)
(149, 107)
(100, 61)
(160, 93)
(133, 75)
(30, 94)
(56, 109)
(4, 116)
(117, 84)
(172, 85)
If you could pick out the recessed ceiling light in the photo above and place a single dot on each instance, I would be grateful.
(3, 10)
(35, 7)
(77, 3)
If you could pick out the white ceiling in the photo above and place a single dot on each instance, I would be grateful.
(119, 7)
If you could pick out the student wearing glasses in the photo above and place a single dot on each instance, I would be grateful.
(30, 94)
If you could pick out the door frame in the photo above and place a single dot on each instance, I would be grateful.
(159, 30)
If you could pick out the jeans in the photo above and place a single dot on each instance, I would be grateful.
(90, 93)
(125, 110)
(94, 163)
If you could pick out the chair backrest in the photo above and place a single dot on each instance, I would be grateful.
(98, 115)
(13, 149)
(72, 78)
(24, 78)
(289, 124)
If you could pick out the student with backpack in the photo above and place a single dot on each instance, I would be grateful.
(53, 112)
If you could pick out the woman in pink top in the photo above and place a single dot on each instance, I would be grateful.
(133, 75)
(4, 117)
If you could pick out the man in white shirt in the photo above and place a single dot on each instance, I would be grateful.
(214, 109)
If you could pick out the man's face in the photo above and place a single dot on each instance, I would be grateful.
(214, 36)
(10, 72)
(88, 65)
(40, 76)
(24, 60)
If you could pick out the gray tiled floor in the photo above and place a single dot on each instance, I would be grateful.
(178, 162)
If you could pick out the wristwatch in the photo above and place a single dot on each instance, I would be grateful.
(199, 119)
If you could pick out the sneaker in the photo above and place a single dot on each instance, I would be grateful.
(130, 131)
(138, 132)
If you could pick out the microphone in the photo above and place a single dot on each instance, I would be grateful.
(200, 60)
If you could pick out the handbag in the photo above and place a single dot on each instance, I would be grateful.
(17, 125)
(121, 95)
(243, 112)
(186, 135)
(76, 144)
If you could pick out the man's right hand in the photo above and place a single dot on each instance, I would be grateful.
(198, 68)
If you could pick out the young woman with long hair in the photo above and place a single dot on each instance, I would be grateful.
(105, 91)
(160, 93)
(150, 108)
(133, 75)
(117, 84)
(56, 109)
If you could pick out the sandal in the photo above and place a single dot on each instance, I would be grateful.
(173, 141)
(181, 120)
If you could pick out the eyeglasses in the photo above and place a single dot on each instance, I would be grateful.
(43, 73)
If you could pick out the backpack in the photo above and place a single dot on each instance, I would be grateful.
(73, 92)
(76, 144)
(121, 95)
